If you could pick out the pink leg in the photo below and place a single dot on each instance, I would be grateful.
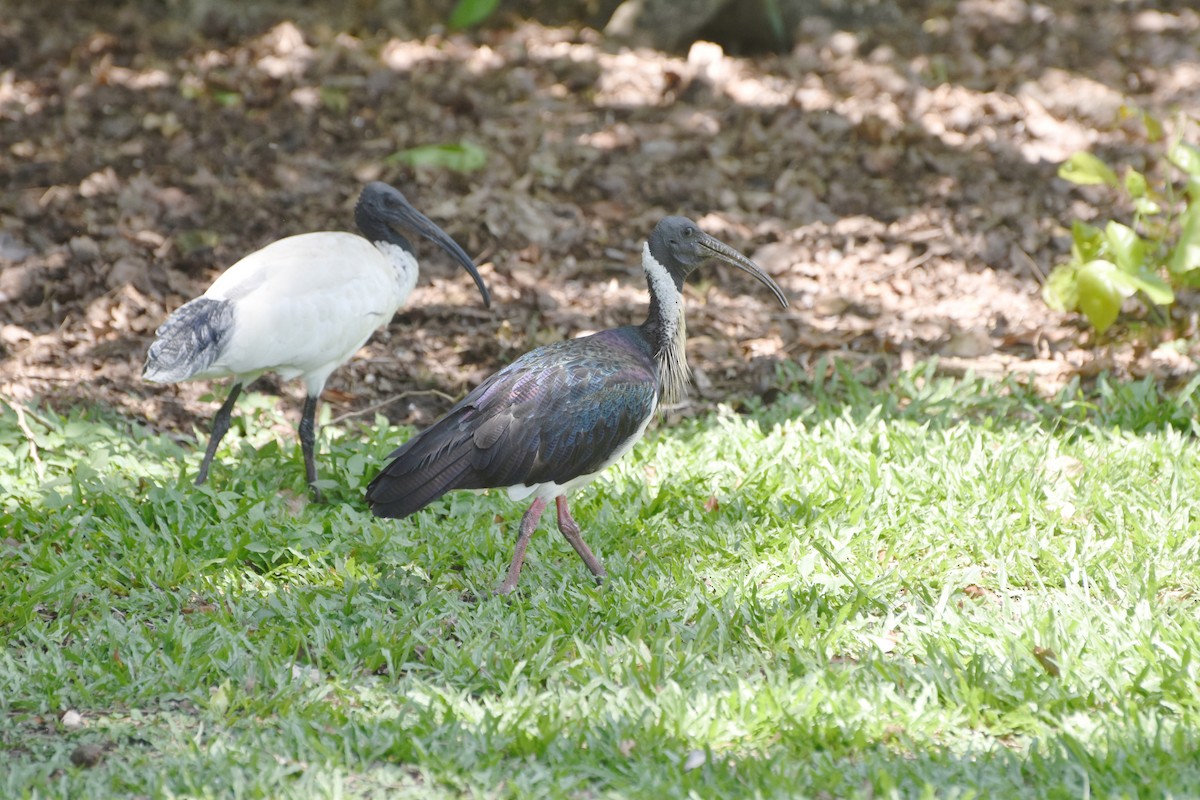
(572, 533)
(528, 526)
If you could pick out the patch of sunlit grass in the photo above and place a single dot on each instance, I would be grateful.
(938, 587)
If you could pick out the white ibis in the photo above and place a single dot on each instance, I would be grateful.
(301, 307)
(555, 418)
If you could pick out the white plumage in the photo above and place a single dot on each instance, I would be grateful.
(301, 307)
(333, 288)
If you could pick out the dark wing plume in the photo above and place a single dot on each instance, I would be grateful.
(189, 341)
(554, 414)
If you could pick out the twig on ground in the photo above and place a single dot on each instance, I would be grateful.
(33, 449)
(389, 401)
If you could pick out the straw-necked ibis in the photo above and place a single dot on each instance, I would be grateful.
(301, 307)
(552, 420)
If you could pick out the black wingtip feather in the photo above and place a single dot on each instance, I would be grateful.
(189, 341)
(426, 468)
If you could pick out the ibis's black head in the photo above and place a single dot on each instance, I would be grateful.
(680, 246)
(383, 214)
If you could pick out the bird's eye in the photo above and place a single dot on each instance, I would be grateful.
(689, 231)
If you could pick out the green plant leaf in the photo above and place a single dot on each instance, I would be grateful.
(1192, 190)
(1154, 127)
(1186, 157)
(1154, 287)
(774, 15)
(469, 13)
(1085, 169)
(1061, 291)
(1126, 247)
(1102, 287)
(1146, 207)
(227, 99)
(1086, 241)
(463, 157)
(1135, 183)
(1151, 123)
(335, 99)
(1185, 256)
(190, 241)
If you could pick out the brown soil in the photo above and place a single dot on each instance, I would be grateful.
(897, 177)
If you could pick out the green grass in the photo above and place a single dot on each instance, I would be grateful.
(934, 589)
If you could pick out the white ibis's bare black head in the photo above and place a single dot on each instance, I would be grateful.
(680, 246)
(383, 214)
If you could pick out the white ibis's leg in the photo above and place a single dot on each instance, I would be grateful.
(570, 530)
(219, 429)
(529, 524)
(308, 438)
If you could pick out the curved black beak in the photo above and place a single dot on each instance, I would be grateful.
(409, 217)
(718, 249)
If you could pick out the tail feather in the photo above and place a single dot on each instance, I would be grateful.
(411, 482)
(189, 341)
(437, 460)
(395, 495)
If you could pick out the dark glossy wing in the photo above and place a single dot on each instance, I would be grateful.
(554, 414)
